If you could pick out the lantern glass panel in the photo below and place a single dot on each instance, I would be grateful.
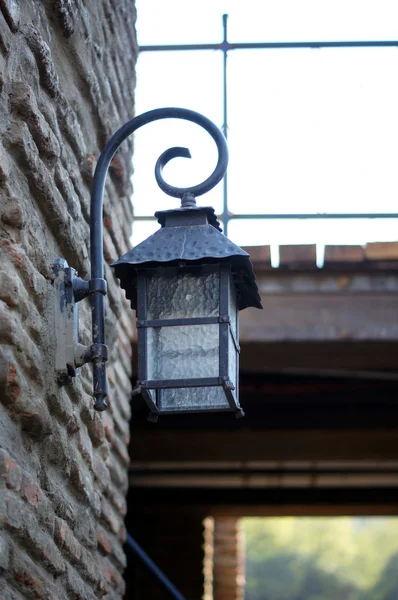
(183, 295)
(185, 352)
(202, 398)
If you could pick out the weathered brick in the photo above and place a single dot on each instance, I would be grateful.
(67, 190)
(109, 428)
(29, 582)
(120, 421)
(70, 125)
(117, 472)
(34, 282)
(48, 74)
(110, 253)
(81, 480)
(118, 554)
(41, 545)
(104, 542)
(112, 577)
(13, 213)
(101, 473)
(89, 567)
(45, 513)
(23, 100)
(40, 180)
(86, 531)
(13, 334)
(34, 416)
(85, 446)
(14, 294)
(57, 449)
(105, 450)
(108, 515)
(52, 558)
(87, 167)
(9, 288)
(60, 405)
(73, 424)
(27, 578)
(30, 491)
(14, 517)
(95, 427)
(67, 541)
(62, 504)
(9, 471)
(118, 501)
(120, 448)
(76, 587)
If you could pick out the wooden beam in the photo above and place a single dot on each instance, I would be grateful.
(314, 317)
(304, 254)
(318, 355)
(305, 510)
(350, 254)
(381, 251)
(245, 445)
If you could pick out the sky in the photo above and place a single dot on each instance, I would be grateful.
(309, 130)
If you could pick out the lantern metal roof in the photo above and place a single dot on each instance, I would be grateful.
(191, 235)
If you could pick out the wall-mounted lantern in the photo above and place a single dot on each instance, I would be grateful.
(187, 283)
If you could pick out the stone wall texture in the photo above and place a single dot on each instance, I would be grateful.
(66, 84)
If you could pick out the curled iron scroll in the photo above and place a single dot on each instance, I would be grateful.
(178, 152)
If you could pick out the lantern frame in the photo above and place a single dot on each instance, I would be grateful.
(225, 333)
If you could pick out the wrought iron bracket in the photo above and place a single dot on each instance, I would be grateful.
(70, 289)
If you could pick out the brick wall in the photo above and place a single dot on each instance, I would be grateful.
(66, 84)
(228, 559)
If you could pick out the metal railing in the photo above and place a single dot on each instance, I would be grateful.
(225, 46)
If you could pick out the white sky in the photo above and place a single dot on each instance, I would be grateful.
(309, 130)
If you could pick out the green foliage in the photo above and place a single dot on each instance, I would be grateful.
(318, 558)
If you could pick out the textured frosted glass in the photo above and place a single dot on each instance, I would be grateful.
(183, 352)
(183, 296)
(194, 399)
